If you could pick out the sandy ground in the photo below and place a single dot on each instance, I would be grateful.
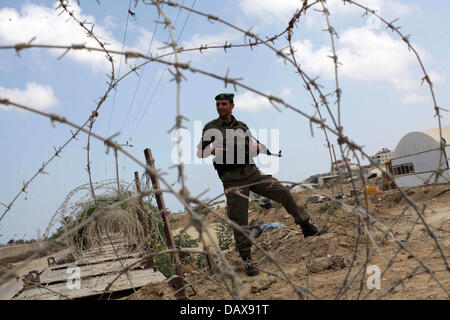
(322, 263)
(193, 233)
(333, 265)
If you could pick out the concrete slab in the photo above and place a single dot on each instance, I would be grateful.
(61, 275)
(92, 286)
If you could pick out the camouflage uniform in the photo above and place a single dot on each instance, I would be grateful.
(268, 186)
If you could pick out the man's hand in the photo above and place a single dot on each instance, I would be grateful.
(254, 148)
(210, 150)
(203, 153)
(217, 148)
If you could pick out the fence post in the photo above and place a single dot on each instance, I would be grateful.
(117, 172)
(338, 174)
(141, 210)
(179, 281)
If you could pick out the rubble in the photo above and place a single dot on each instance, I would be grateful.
(334, 262)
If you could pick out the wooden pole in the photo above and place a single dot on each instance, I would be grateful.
(117, 172)
(149, 263)
(142, 210)
(179, 282)
(339, 176)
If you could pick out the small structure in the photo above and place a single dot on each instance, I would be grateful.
(382, 157)
(417, 159)
(317, 198)
(345, 168)
(303, 187)
(374, 173)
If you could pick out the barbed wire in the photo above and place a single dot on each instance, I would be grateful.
(368, 227)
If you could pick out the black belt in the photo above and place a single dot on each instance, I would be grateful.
(222, 168)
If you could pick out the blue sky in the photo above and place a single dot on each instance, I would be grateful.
(382, 97)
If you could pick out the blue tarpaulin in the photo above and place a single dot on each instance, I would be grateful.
(272, 225)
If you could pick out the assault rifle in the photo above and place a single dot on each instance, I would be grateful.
(237, 146)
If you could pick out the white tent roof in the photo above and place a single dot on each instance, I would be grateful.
(376, 171)
(434, 133)
(415, 142)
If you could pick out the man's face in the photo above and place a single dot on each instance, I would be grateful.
(224, 107)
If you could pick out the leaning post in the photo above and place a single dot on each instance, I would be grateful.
(179, 282)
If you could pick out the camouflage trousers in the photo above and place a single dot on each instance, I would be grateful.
(237, 203)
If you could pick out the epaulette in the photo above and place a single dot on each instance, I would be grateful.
(243, 123)
(209, 123)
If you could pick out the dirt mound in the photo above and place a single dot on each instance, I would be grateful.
(322, 264)
(153, 291)
(394, 198)
(329, 262)
(4, 270)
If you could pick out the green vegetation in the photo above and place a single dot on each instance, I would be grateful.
(330, 207)
(188, 242)
(224, 235)
(157, 234)
(350, 202)
(164, 264)
(397, 197)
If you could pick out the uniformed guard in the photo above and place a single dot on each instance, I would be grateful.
(230, 141)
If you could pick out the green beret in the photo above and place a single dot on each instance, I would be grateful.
(225, 96)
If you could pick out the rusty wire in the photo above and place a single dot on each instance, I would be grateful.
(367, 224)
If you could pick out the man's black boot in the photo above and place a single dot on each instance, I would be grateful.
(249, 268)
(309, 230)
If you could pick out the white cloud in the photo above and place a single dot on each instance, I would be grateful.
(249, 101)
(414, 98)
(365, 56)
(286, 92)
(390, 7)
(213, 39)
(143, 42)
(48, 27)
(282, 10)
(110, 22)
(436, 77)
(269, 9)
(384, 8)
(252, 102)
(35, 95)
(198, 40)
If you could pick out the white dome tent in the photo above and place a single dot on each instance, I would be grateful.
(418, 155)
